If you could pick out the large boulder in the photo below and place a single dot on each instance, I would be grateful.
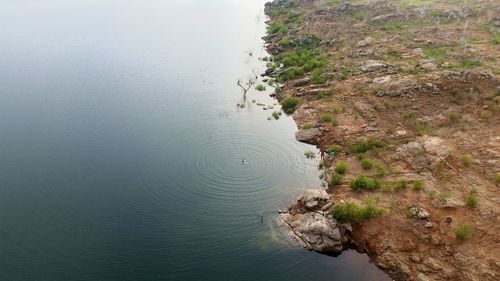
(307, 135)
(313, 231)
(308, 223)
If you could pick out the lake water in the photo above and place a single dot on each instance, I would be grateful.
(121, 147)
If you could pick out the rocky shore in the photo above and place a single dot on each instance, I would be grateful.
(404, 99)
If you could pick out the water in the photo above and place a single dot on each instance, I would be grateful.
(121, 147)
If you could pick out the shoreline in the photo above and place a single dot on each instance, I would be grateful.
(402, 186)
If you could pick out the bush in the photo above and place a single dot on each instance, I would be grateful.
(309, 154)
(260, 88)
(337, 108)
(351, 212)
(463, 232)
(336, 180)
(453, 116)
(365, 145)
(466, 160)
(341, 167)
(335, 123)
(379, 170)
(361, 183)
(289, 104)
(472, 201)
(366, 164)
(334, 148)
(400, 185)
(276, 115)
(418, 185)
(327, 118)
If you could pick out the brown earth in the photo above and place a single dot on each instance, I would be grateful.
(422, 81)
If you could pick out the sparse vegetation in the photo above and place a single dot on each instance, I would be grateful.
(334, 148)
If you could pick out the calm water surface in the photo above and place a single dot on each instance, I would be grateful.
(121, 147)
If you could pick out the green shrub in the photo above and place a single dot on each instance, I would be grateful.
(466, 160)
(335, 180)
(361, 183)
(497, 178)
(334, 148)
(309, 154)
(365, 145)
(341, 167)
(463, 232)
(260, 88)
(366, 164)
(289, 104)
(472, 201)
(327, 118)
(351, 212)
(400, 185)
(418, 185)
(276, 115)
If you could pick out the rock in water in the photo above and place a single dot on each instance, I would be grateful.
(314, 232)
(309, 226)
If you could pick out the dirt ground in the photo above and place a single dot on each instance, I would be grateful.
(418, 79)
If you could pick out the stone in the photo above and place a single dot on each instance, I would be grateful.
(374, 65)
(307, 135)
(366, 42)
(301, 82)
(419, 213)
(448, 203)
(313, 231)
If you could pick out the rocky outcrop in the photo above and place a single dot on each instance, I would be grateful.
(308, 223)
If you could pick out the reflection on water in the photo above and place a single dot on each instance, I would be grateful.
(122, 147)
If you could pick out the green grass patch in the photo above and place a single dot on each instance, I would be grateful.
(327, 118)
(463, 232)
(341, 168)
(366, 164)
(336, 180)
(334, 148)
(472, 201)
(364, 183)
(418, 185)
(353, 213)
(365, 145)
(310, 154)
